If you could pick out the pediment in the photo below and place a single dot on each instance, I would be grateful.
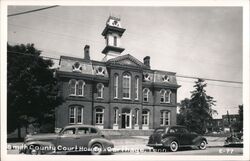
(127, 60)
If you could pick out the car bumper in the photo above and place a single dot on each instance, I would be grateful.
(155, 145)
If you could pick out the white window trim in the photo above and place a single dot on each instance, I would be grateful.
(75, 116)
(76, 84)
(102, 117)
(146, 118)
(164, 96)
(83, 85)
(116, 85)
(70, 87)
(102, 89)
(117, 115)
(137, 88)
(146, 95)
(169, 96)
(129, 94)
(81, 115)
(164, 118)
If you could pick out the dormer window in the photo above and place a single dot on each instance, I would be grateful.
(165, 78)
(147, 77)
(100, 71)
(77, 67)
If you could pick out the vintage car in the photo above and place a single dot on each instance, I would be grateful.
(73, 138)
(234, 140)
(174, 137)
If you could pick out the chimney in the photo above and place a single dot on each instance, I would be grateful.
(146, 61)
(86, 52)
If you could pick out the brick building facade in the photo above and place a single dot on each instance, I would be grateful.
(119, 92)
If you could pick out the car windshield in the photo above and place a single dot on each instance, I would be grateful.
(161, 130)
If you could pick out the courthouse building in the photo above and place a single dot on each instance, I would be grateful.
(119, 92)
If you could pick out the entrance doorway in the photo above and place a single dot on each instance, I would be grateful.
(126, 119)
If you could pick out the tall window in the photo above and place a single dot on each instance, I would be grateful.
(99, 116)
(136, 117)
(76, 88)
(72, 87)
(126, 85)
(145, 117)
(116, 116)
(136, 88)
(80, 88)
(165, 96)
(76, 115)
(165, 118)
(116, 86)
(115, 41)
(145, 94)
(100, 88)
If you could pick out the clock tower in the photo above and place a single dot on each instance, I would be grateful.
(112, 34)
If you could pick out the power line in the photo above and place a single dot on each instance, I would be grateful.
(182, 76)
(30, 11)
(209, 79)
(211, 84)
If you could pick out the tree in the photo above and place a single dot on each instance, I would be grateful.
(32, 93)
(201, 107)
(240, 123)
(183, 112)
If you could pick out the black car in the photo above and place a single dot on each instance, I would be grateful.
(234, 140)
(73, 138)
(174, 137)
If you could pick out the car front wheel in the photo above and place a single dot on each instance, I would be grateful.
(203, 145)
(96, 149)
(173, 146)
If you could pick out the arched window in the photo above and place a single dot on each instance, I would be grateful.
(136, 88)
(165, 96)
(126, 86)
(72, 87)
(162, 93)
(75, 115)
(115, 116)
(165, 118)
(100, 88)
(145, 117)
(99, 115)
(145, 94)
(80, 88)
(116, 85)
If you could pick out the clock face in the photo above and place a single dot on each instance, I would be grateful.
(115, 23)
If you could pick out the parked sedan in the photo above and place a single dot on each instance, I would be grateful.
(174, 137)
(74, 138)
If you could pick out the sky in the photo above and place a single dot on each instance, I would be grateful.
(204, 42)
